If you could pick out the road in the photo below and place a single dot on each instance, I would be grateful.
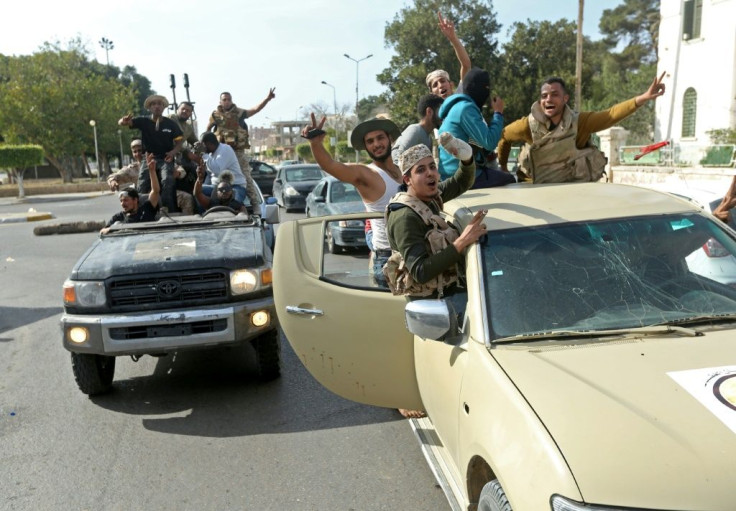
(190, 431)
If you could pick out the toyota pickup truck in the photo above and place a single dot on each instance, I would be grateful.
(179, 283)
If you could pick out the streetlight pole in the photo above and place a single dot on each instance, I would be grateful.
(120, 138)
(334, 106)
(357, 65)
(97, 152)
(108, 45)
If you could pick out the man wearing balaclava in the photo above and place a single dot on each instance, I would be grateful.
(461, 116)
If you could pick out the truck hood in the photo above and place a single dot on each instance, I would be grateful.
(187, 249)
(641, 422)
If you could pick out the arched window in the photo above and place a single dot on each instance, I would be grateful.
(689, 112)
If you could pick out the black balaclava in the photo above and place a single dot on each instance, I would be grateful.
(477, 85)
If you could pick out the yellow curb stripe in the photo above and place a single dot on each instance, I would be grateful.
(35, 217)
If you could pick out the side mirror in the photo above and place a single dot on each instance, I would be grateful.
(319, 198)
(431, 319)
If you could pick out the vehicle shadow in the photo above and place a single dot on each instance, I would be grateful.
(213, 393)
(14, 317)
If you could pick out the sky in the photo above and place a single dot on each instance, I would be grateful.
(246, 47)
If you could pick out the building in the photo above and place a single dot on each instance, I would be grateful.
(697, 50)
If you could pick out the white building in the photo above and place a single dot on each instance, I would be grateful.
(697, 49)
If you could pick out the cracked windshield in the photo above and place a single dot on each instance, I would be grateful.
(626, 273)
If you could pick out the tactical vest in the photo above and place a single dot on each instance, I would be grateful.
(439, 237)
(229, 131)
(552, 157)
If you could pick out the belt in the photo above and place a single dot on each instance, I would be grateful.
(386, 252)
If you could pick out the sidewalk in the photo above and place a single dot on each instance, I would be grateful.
(35, 205)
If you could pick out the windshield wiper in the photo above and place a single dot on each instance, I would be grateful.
(566, 334)
(694, 320)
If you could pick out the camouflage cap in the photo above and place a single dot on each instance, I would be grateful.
(412, 156)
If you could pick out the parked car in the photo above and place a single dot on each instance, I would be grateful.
(294, 182)
(587, 367)
(712, 260)
(331, 197)
(284, 163)
(179, 283)
(263, 174)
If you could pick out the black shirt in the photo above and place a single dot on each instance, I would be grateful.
(161, 141)
(144, 213)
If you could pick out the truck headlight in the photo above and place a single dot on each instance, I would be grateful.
(290, 190)
(84, 294)
(243, 281)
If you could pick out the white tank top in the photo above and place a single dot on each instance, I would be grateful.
(380, 238)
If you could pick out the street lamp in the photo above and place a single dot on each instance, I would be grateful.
(97, 152)
(357, 65)
(108, 45)
(334, 106)
(120, 138)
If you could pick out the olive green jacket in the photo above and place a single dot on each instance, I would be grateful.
(407, 231)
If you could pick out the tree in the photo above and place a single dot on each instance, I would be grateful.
(420, 47)
(18, 158)
(370, 107)
(49, 97)
(536, 51)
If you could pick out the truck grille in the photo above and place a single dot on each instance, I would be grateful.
(168, 290)
(169, 330)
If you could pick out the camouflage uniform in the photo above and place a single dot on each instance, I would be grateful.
(232, 130)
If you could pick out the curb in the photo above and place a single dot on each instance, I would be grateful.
(11, 218)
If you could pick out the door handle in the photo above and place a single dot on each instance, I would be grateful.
(301, 311)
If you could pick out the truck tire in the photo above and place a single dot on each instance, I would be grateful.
(93, 373)
(493, 498)
(268, 355)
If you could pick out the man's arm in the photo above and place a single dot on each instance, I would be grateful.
(359, 176)
(250, 112)
(517, 131)
(155, 185)
(203, 200)
(487, 136)
(126, 120)
(448, 29)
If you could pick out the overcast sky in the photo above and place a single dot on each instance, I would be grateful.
(245, 47)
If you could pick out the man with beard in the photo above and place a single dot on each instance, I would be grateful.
(228, 122)
(186, 160)
(132, 211)
(376, 182)
(419, 133)
(162, 137)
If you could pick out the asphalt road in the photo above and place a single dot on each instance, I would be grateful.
(191, 431)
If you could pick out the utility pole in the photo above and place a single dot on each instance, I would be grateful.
(108, 45)
(579, 59)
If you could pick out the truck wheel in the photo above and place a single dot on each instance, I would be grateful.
(268, 355)
(333, 247)
(493, 498)
(93, 372)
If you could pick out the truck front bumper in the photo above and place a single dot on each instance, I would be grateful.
(167, 330)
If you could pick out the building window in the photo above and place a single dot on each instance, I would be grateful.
(691, 18)
(689, 112)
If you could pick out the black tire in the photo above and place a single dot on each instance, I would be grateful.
(493, 498)
(333, 247)
(93, 373)
(268, 355)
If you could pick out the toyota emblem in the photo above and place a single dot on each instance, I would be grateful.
(168, 289)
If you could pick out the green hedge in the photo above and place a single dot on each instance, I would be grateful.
(20, 156)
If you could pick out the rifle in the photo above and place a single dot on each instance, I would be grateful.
(172, 81)
(186, 87)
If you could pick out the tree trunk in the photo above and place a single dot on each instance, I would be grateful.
(66, 176)
(21, 191)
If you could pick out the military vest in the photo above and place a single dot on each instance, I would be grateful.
(553, 157)
(229, 131)
(439, 237)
